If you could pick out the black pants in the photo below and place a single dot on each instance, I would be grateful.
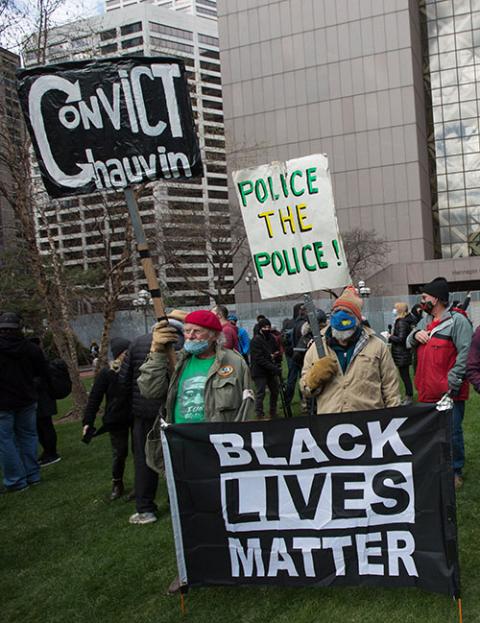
(261, 383)
(47, 436)
(119, 441)
(146, 480)
(405, 376)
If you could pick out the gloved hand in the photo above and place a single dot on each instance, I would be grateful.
(162, 334)
(320, 373)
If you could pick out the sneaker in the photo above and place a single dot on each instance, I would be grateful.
(142, 518)
(117, 490)
(49, 460)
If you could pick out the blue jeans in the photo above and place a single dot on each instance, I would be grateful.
(457, 437)
(18, 446)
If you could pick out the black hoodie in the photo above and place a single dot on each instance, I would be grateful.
(20, 362)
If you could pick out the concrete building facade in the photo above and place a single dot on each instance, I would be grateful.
(387, 89)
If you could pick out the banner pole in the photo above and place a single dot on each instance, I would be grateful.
(147, 264)
(313, 322)
(460, 613)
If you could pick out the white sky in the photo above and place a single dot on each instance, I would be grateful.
(74, 9)
(13, 31)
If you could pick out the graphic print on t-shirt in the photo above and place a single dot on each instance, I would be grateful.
(191, 399)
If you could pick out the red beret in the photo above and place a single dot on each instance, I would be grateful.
(204, 318)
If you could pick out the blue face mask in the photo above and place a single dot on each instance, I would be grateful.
(196, 347)
(342, 321)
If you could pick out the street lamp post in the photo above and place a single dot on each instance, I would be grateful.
(364, 292)
(250, 279)
(143, 303)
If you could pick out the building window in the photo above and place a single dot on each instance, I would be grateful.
(129, 29)
(210, 66)
(132, 43)
(108, 34)
(109, 49)
(173, 32)
(208, 40)
(171, 45)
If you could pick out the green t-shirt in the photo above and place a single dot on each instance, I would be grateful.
(190, 405)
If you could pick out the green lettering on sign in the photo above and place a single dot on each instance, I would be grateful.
(311, 177)
(296, 192)
(260, 185)
(261, 260)
(278, 264)
(245, 188)
(317, 247)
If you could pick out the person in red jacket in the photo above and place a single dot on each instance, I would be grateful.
(442, 340)
(230, 332)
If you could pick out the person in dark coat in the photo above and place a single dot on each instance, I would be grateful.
(144, 412)
(293, 329)
(473, 361)
(402, 356)
(46, 410)
(21, 362)
(117, 414)
(264, 367)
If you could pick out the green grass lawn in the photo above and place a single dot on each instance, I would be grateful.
(68, 555)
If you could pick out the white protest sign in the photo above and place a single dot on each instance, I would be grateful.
(289, 216)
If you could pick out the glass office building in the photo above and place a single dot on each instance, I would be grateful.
(453, 31)
(388, 90)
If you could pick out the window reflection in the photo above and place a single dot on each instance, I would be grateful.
(454, 57)
(448, 61)
(460, 250)
(451, 111)
(455, 181)
(472, 161)
(457, 217)
(456, 198)
(454, 164)
(465, 57)
(444, 8)
(473, 198)
(472, 179)
(468, 109)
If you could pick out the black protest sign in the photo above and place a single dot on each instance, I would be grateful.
(105, 124)
(363, 498)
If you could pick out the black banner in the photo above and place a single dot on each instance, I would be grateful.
(105, 124)
(361, 498)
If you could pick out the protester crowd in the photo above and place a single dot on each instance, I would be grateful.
(223, 374)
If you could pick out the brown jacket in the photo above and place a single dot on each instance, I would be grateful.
(370, 381)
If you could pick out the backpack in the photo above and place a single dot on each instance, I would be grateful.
(60, 380)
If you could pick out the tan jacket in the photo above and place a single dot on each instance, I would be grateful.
(370, 381)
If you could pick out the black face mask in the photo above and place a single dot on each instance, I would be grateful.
(427, 306)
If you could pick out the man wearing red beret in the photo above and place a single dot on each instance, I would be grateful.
(209, 383)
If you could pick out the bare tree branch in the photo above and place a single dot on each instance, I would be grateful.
(366, 251)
